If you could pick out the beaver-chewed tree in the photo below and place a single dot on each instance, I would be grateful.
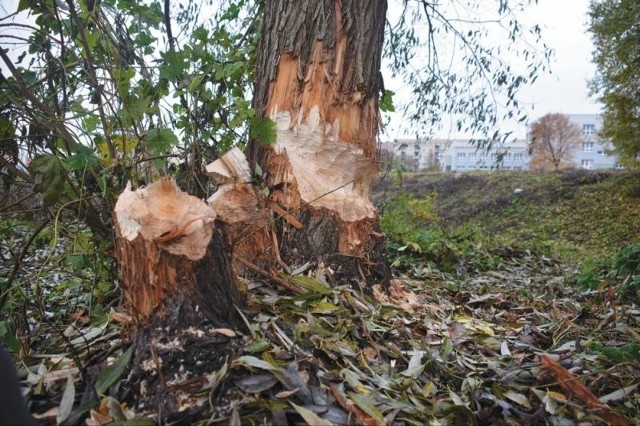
(318, 79)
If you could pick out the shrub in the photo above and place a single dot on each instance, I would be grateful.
(623, 269)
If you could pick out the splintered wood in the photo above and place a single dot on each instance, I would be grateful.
(161, 232)
(236, 199)
(179, 223)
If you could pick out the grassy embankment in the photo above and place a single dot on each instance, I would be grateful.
(575, 216)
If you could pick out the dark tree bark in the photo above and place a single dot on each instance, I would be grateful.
(318, 78)
(176, 268)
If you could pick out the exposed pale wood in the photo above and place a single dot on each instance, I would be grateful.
(236, 199)
(179, 223)
(231, 167)
(172, 257)
(238, 204)
(327, 171)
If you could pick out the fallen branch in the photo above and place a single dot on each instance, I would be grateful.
(282, 283)
(573, 387)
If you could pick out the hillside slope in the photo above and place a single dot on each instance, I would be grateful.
(569, 214)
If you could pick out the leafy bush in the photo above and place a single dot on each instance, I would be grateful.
(626, 267)
(415, 230)
(413, 227)
(623, 269)
(592, 273)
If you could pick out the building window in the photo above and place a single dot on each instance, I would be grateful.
(588, 129)
(518, 157)
(600, 152)
(472, 156)
(587, 164)
(619, 165)
(587, 147)
(460, 156)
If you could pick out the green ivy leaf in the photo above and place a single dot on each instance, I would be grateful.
(264, 130)
(386, 102)
(160, 141)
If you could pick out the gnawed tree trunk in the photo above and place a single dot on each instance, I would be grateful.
(174, 258)
(175, 262)
(318, 78)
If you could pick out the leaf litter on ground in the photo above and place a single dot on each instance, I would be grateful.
(430, 351)
(440, 349)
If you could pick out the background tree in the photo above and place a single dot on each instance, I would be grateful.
(616, 36)
(553, 140)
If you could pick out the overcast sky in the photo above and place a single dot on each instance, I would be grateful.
(564, 24)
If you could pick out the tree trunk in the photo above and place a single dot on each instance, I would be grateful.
(179, 286)
(174, 257)
(318, 78)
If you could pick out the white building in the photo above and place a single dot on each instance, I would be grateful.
(592, 152)
(463, 155)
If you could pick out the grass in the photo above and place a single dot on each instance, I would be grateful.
(569, 215)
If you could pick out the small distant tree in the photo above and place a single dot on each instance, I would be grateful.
(553, 140)
(615, 32)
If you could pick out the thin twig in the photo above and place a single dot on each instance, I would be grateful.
(282, 283)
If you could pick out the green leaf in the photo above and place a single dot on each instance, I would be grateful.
(253, 362)
(82, 161)
(386, 102)
(8, 143)
(111, 374)
(23, 5)
(78, 261)
(311, 284)
(174, 65)
(415, 367)
(90, 123)
(257, 346)
(49, 177)
(160, 141)
(367, 405)
(263, 130)
(9, 337)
